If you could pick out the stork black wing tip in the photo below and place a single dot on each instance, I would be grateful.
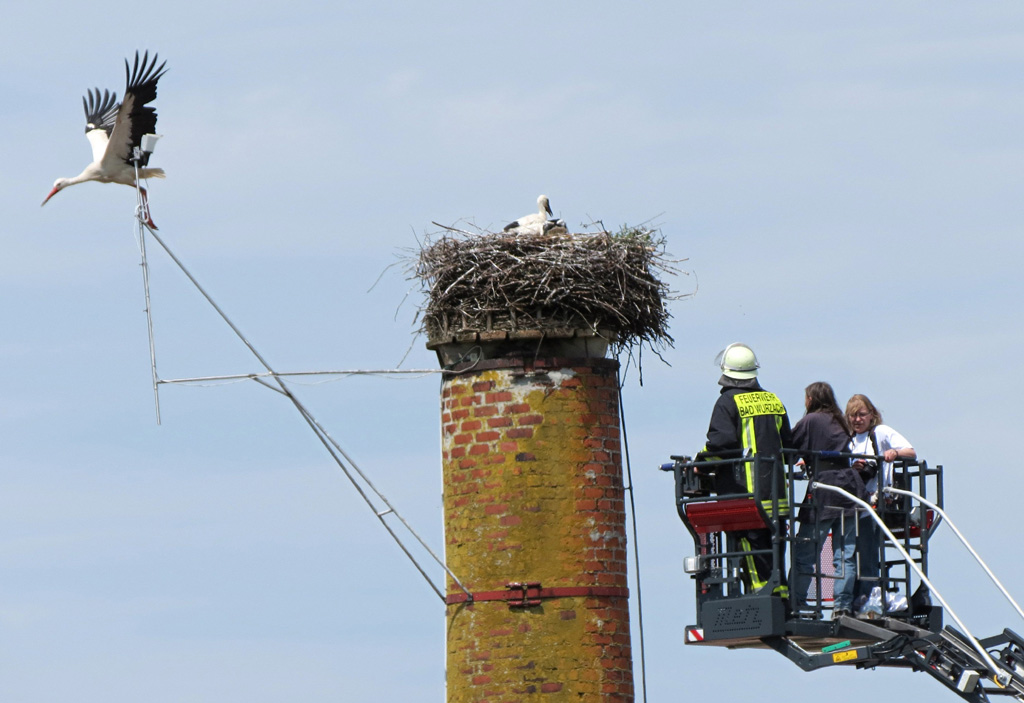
(145, 72)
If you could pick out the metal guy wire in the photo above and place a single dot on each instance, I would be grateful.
(333, 448)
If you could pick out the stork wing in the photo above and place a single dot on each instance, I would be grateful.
(134, 117)
(100, 111)
(100, 115)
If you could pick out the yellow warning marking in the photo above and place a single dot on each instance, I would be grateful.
(844, 656)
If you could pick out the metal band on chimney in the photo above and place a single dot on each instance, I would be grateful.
(530, 594)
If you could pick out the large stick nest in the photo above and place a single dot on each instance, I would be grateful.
(605, 283)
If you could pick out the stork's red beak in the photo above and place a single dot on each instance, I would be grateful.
(52, 193)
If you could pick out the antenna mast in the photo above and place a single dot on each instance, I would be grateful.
(140, 154)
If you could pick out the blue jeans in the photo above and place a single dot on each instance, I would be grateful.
(844, 559)
(869, 544)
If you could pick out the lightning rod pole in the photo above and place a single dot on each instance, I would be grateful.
(140, 211)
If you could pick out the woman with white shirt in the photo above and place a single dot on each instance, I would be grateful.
(871, 437)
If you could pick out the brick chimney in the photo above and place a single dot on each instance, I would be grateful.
(534, 518)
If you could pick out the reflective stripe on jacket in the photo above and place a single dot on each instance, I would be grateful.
(752, 419)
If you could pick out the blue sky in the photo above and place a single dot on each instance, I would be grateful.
(841, 178)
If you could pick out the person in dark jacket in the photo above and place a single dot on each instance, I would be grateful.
(748, 420)
(824, 429)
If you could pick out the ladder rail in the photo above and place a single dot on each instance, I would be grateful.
(963, 539)
(1002, 676)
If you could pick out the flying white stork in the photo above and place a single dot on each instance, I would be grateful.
(534, 222)
(114, 130)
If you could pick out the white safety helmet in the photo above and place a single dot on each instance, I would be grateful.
(738, 361)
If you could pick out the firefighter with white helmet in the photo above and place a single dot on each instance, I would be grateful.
(748, 420)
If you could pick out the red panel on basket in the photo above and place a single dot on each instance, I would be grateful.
(724, 516)
(915, 530)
